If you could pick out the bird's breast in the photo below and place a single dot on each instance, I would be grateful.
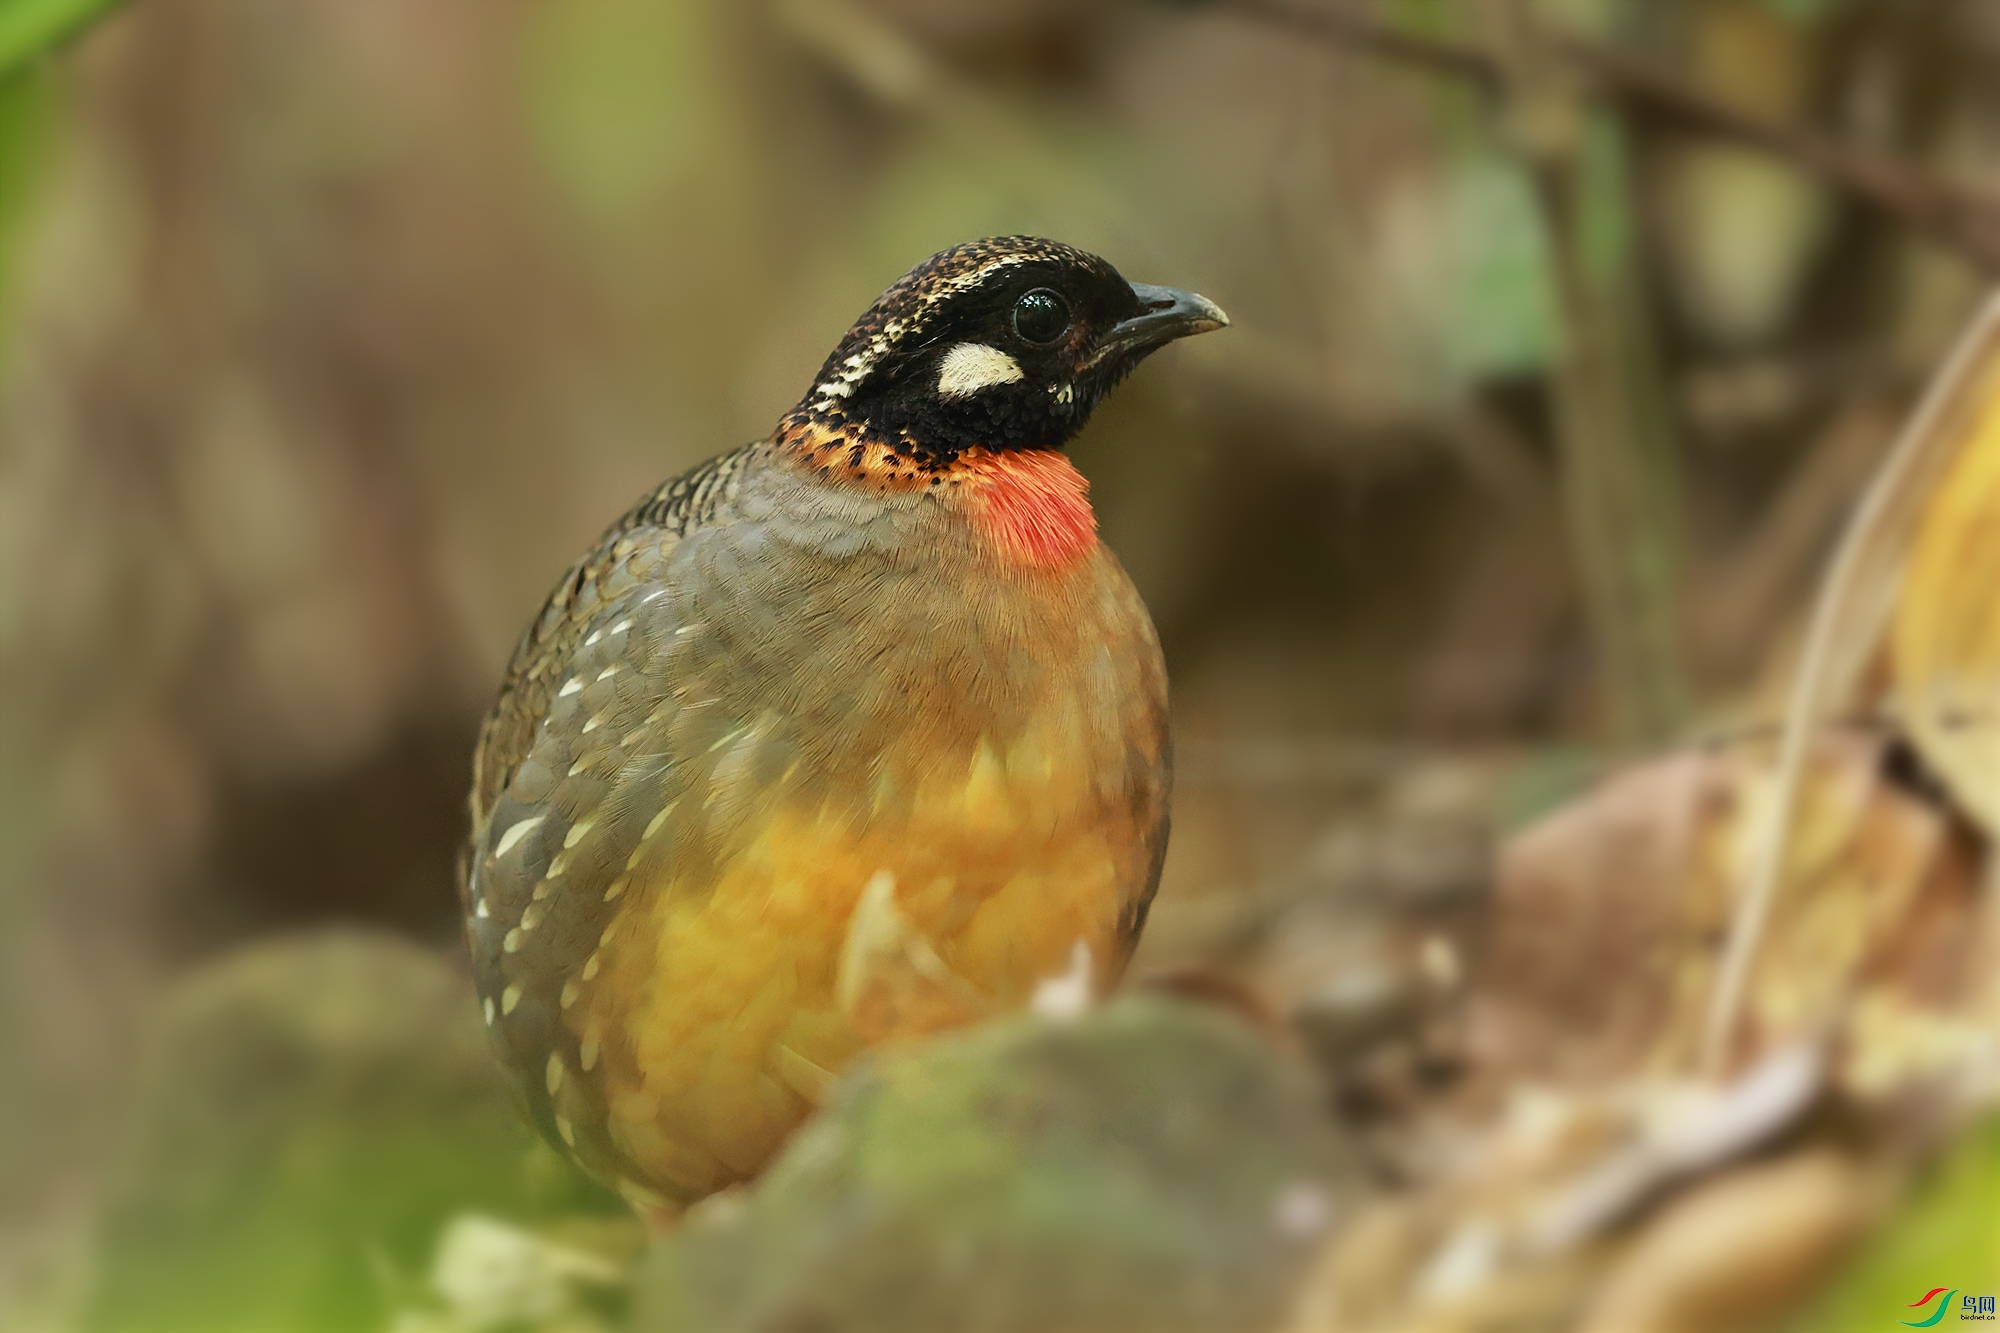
(846, 765)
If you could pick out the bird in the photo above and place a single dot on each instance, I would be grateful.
(848, 736)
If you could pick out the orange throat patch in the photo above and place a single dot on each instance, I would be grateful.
(1032, 503)
(1035, 506)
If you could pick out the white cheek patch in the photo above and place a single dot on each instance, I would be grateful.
(970, 367)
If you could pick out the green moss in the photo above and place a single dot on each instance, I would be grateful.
(1130, 1169)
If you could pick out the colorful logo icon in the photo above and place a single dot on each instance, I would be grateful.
(1936, 1314)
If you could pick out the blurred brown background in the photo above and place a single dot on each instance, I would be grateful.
(335, 328)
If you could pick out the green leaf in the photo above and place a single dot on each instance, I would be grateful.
(30, 29)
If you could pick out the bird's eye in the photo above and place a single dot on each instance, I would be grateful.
(1041, 316)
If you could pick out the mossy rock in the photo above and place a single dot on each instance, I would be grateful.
(310, 1114)
(1151, 1166)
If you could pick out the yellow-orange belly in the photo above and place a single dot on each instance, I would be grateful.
(718, 1012)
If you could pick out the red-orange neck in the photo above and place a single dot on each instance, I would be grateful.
(1033, 504)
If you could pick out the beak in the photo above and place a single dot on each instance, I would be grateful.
(1166, 313)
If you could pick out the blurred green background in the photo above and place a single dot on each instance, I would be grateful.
(333, 329)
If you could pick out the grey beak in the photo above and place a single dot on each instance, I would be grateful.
(1166, 313)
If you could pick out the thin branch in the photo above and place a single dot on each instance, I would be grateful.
(1920, 443)
(1618, 491)
(1350, 27)
(1963, 219)
(1967, 221)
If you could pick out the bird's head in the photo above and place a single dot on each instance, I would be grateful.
(1002, 344)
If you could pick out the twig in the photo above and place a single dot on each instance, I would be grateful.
(1618, 490)
(1351, 27)
(1766, 867)
(1965, 220)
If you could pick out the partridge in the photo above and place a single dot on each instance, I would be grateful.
(849, 735)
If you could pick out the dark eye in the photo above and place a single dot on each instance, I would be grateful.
(1041, 316)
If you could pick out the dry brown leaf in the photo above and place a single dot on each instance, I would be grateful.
(1584, 1171)
(1945, 639)
(1871, 566)
(1856, 599)
(1609, 915)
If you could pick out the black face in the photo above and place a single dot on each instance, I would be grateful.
(1002, 344)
